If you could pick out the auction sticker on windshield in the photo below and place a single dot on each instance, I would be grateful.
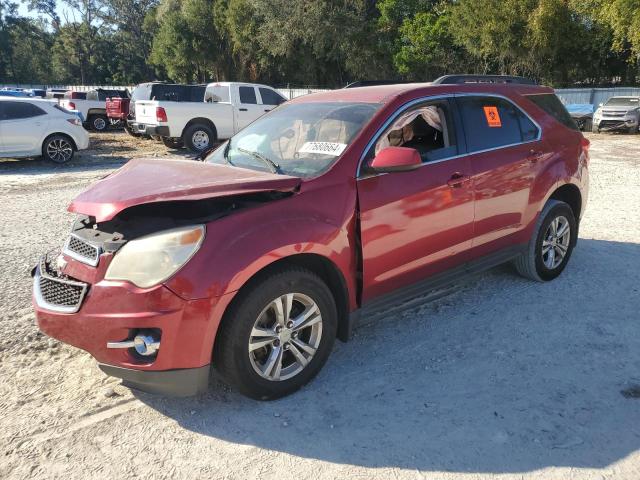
(326, 148)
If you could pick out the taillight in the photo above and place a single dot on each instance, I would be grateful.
(72, 106)
(74, 121)
(161, 115)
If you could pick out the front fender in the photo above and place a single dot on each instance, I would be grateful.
(239, 246)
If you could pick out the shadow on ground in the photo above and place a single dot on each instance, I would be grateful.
(504, 375)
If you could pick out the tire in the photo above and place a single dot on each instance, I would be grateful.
(58, 149)
(534, 264)
(130, 131)
(98, 123)
(633, 130)
(175, 143)
(198, 137)
(241, 367)
(594, 128)
(588, 125)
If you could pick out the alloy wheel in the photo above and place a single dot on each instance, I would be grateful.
(555, 243)
(59, 150)
(285, 337)
(99, 123)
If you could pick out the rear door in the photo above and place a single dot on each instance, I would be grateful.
(248, 107)
(22, 126)
(505, 151)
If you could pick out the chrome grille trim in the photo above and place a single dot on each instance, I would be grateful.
(42, 276)
(81, 250)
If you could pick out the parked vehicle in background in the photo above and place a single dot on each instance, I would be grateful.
(118, 111)
(582, 114)
(333, 206)
(170, 92)
(32, 127)
(617, 113)
(55, 93)
(36, 92)
(13, 93)
(226, 108)
(93, 106)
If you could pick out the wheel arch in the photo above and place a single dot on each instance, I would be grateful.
(200, 120)
(322, 266)
(62, 134)
(96, 111)
(571, 195)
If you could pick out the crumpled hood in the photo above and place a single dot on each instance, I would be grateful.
(148, 180)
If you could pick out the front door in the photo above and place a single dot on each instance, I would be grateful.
(248, 108)
(418, 223)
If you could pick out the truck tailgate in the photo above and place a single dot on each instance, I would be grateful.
(146, 112)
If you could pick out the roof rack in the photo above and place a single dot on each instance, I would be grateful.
(454, 79)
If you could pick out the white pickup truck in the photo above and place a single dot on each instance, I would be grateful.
(227, 107)
(92, 106)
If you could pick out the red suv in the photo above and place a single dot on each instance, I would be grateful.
(323, 211)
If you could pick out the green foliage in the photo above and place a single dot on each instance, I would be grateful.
(320, 42)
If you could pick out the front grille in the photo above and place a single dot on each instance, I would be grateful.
(57, 293)
(82, 251)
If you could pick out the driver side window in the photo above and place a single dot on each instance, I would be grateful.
(427, 128)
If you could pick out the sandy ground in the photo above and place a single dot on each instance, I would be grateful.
(503, 378)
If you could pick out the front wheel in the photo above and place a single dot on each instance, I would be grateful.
(551, 244)
(278, 335)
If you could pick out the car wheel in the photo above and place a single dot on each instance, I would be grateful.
(633, 130)
(587, 125)
(172, 142)
(99, 123)
(278, 335)
(57, 149)
(551, 244)
(198, 138)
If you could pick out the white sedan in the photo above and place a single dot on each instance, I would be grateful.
(31, 128)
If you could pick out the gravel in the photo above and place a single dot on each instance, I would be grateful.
(502, 378)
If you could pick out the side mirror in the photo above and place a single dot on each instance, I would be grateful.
(396, 159)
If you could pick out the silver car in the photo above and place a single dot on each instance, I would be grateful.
(617, 113)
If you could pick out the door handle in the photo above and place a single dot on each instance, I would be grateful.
(267, 110)
(458, 179)
(534, 156)
(242, 109)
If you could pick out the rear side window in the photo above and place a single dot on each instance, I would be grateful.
(269, 97)
(217, 93)
(554, 107)
(196, 94)
(248, 95)
(491, 122)
(19, 110)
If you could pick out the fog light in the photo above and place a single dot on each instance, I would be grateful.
(146, 344)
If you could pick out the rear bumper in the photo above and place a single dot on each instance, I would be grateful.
(81, 138)
(162, 131)
(176, 383)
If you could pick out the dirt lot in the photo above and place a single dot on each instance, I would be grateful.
(503, 378)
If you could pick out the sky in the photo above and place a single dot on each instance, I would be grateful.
(24, 11)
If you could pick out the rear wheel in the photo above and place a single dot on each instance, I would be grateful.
(278, 335)
(57, 149)
(551, 244)
(588, 125)
(99, 123)
(172, 142)
(198, 137)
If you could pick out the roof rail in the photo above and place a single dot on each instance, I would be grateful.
(373, 83)
(453, 79)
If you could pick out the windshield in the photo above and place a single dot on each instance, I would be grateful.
(623, 101)
(302, 139)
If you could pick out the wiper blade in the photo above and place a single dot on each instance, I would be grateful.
(273, 166)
